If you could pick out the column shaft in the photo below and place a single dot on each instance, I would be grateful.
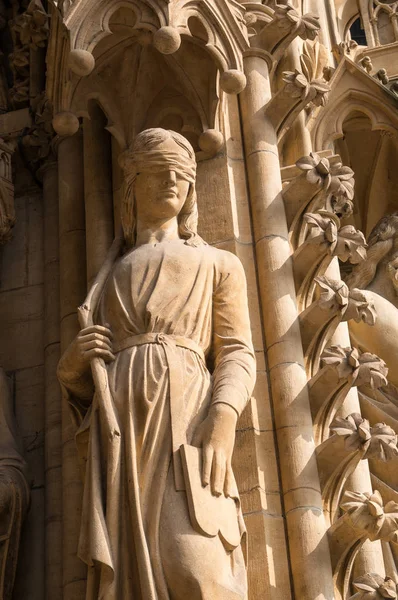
(73, 289)
(97, 190)
(53, 405)
(309, 551)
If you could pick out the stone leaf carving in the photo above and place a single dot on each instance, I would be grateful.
(374, 587)
(352, 304)
(378, 442)
(285, 25)
(30, 31)
(298, 86)
(307, 25)
(334, 295)
(363, 369)
(32, 26)
(360, 308)
(335, 180)
(314, 59)
(367, 513)
(345, 242)
(297, 93)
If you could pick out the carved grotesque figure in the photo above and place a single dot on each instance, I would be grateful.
(14, 491)
(378, 276)
(161, 515)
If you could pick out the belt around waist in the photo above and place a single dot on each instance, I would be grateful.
(162, 339)
(176, 383)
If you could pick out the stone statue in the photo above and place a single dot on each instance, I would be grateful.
(161, 515)
(14, 491)
(378, 276)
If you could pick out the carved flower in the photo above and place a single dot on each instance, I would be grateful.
(309, 26)
(285, 15)
(334, 295)
(318, 169)
(360, 308)
(347, 242)
(365, 368)
(323, 230)
(297, 84)
(368, 514)
(319, 91)
(337, 179)
(378, 442)
(342, 207)
(351, 245)
(373, 587)
(354, 429)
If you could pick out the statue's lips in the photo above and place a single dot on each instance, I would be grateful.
(168, 194)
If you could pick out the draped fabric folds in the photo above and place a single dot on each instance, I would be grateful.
(170, 288)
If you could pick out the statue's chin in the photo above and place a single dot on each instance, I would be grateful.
(382, 338)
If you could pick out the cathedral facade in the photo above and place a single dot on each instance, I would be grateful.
(277, 126)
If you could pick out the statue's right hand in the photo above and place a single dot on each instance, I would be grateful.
(95, 342)
(91, 342)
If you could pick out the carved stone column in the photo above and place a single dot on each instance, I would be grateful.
(53, 405)
(72, 257)
(97, 190)
(309, 552)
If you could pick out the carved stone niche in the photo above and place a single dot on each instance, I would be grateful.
(14, 491)
(7, 212)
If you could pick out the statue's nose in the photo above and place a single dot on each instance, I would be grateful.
(171, 177)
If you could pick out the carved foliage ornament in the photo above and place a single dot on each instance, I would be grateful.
(367, 513)
(29, 31)
(373, 587)
(378, 442)
(335, 179)
(298, 86)
(308, 24)
(352, 304)
(363, 369)
(345, 242)
(32, 26)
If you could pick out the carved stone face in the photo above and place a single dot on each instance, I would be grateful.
(160, 194)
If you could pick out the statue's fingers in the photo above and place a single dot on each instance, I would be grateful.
(106, 355)
(218, 473)
(103, 344)
(96, 329)
(207, 459)
(96, 336)
(229, 485)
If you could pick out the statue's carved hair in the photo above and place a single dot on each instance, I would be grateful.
(383, 241)
(147, 141)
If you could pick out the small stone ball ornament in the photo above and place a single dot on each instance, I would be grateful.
(211, 141)
(167, 40)
(65, 123)
(233, 81)
(81, 62)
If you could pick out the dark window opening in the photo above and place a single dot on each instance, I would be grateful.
(358, 33)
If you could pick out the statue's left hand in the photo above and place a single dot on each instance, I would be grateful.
(216, 437)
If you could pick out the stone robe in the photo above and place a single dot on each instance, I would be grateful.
(180, 292)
